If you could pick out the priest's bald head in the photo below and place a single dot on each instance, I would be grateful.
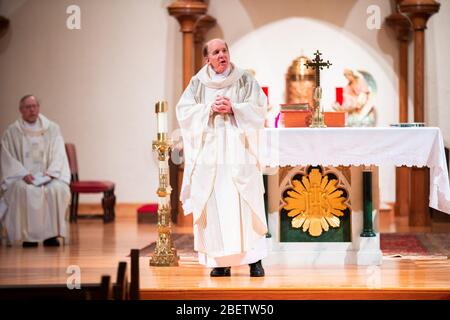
(29, 108)
(216, 55)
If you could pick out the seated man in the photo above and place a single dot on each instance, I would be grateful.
(34, 178)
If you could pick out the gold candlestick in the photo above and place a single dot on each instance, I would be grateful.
(165, 254)
(318, 119)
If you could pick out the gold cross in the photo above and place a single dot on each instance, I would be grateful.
(318, 65)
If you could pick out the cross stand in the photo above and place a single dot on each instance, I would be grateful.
(317, 64)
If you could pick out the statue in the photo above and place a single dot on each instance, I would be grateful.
(357, 99)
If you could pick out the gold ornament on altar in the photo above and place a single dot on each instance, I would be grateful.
(315, 203)
(165, 254)
(318, 120)
(300, 82)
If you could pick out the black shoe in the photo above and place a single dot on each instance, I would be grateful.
(27, 244)
(256, 269)
(221, 272)
(51, 242)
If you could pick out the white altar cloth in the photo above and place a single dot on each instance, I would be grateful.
(418, 146)
(351, 147)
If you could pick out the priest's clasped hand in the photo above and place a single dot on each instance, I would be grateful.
(28, 179)
(222, 105)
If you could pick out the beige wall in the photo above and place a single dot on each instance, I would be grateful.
(100, 83)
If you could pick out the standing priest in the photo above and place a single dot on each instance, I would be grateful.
(35, 178)
(220, 114)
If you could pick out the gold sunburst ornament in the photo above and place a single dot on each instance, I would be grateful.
(315, 203)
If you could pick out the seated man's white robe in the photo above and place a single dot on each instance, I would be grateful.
(222, 182)
(33, 213)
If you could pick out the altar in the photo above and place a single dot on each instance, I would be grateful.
(317, 200)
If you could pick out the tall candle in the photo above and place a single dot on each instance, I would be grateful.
(162, 122)
(161, 112)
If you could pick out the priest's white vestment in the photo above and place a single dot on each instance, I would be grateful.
(28, 212)
(222, 182)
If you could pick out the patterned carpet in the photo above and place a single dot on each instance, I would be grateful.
(402, 244)
(416, 245)
(393, 245)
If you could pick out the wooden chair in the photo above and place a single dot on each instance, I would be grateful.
(92, 291)
(78, 186)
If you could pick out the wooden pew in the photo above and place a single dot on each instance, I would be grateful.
(91, 291)
(134, 283)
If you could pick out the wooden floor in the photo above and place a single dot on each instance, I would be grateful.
(97, 248)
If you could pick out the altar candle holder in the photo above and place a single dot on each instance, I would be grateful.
(165, 254)
(318, 119)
